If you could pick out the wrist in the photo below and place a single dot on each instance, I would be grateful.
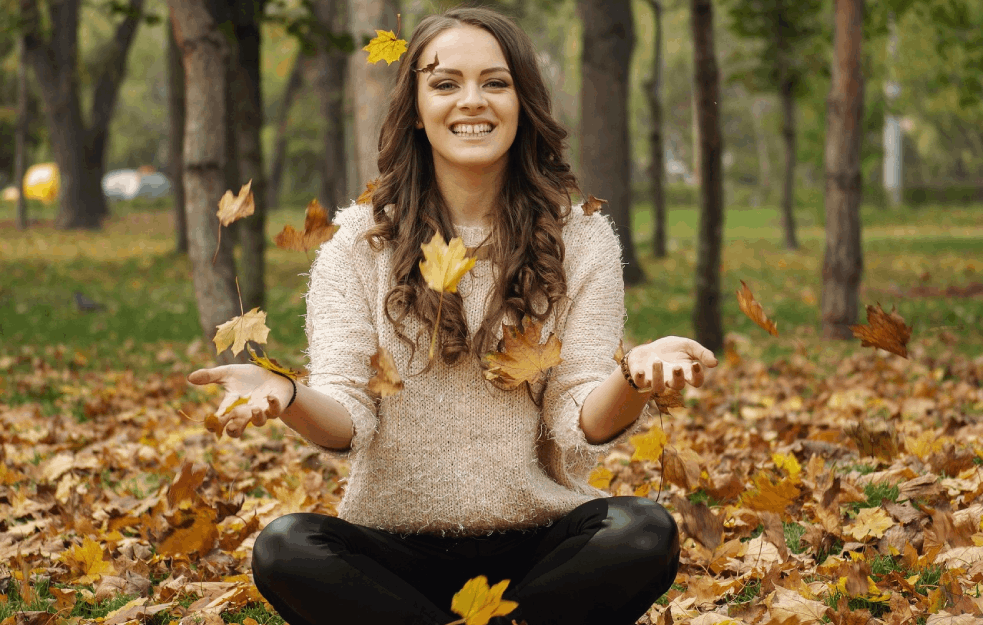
(293, 384)
(626, 372)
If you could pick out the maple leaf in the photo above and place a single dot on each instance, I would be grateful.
(317, 230)
(523, 358)
(236, 331)
(593, 204)
(478, 604)
(874, 437)
(385, 47)
(270, 364)
(428, 68)
(234, 207)
(768, 495)
(600, 477)
(444, 264)
(87, 558)
(669, 398)
(370, 188)
(751, 308)
(789, 464)
(620, 352)
(870, 523)
(186, 483)
(648, 446)
(886, 331)
(386, 381)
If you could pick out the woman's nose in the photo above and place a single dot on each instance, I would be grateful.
(472, 98)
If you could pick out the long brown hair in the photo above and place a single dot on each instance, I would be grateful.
(526, 244)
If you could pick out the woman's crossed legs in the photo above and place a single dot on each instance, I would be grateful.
(607, 561)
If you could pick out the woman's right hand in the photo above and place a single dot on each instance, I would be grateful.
(267, 394)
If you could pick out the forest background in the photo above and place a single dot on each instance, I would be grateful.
(853, 452)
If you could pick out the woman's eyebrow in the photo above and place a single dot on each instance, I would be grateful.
(458, 72)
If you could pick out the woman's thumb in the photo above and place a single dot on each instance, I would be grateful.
(204, 376)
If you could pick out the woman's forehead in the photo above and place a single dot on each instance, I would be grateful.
(463, 48)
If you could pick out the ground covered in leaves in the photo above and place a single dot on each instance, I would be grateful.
(814, 488)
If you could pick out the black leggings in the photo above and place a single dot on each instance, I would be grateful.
(607, 561)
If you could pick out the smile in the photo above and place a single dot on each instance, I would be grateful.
(473, 135)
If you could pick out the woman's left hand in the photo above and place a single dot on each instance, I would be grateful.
(671, 361)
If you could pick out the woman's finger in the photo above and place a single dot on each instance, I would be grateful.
(274, 410)
(206, 376)
(656, 383)
(259, 416)
(697, 377)
(678, 381)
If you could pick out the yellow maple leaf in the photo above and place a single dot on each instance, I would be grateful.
(385, 47)
(790, 465)
(236, 331)
(870, 523)
(523, 358)
(478, 604)
(270, 364)
(386, 381)
(370, 188)
(767, 495)
(444, 264)
(648, 446)
(600, 477)
(235, 207)
(317, 230)
(87, 559)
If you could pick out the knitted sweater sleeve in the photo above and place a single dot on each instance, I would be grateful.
(592, 330)
(341, 336)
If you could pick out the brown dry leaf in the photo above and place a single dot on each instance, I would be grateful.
(317, 230)
(187, 482)
(886, 331)
(478, 604)
(234, 207)
(385, 47)
(875, 437)
(786, 603)
(370, 188)
(236, 331)
(270, 364)
(523, 358)
(593, 204)
(769, 495)
(700, 523)
(427, 69)
(669, 398)
(386, 381)
(751, 308)
(87, 560)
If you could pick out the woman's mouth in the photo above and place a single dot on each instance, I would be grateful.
(467, 131)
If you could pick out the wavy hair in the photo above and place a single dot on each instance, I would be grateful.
(526, 243)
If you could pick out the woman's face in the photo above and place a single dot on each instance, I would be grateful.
(471, 86)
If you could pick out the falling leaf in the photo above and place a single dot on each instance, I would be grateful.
(885, 331)
(478, 604)
(620, 352)
(428, 68)
(870, 523)
(186, 483)
(385, 47)
(317, 230)
(669, 398)
(648, 446)
(789, 464)
(875, 437)
(370, 187)
(236, 331)
(87, 559)
(600, 477)
(444, 264)
(593, 204)
(751, 308)
(523, 358)
(768, 495)
(386, 381)
(271, 364)
(234, 207)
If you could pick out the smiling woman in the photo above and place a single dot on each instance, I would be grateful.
(454, 477)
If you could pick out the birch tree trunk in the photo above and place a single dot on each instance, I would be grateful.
(175, 111)
(706, 305)
(843, 261)
(205, 53)
(657, 168)
(605, 157)
(332, 75)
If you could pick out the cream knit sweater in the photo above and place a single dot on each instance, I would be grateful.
(451, 454)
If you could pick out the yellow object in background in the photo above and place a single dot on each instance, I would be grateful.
(41, 182)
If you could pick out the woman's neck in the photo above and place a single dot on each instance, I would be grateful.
(471, 197)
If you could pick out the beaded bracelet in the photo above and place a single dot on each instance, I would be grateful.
(627, 373)
(292, 397)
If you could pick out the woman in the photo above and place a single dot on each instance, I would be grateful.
(456, 476)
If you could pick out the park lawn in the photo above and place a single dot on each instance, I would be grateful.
(115, 377)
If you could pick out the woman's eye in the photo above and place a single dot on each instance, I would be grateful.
(498, 84)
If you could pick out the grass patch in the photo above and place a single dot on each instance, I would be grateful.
(793, 537)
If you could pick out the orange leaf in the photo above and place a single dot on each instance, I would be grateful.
(669, 398)
(523, 359)
(478, 603)
(386, 381)
(429, 68)
(87, 559)
(317, 230)
(234, 207)
(385, 47)
(600, 477)
(370, 188)
(270, 364)
(593, 204)
(886, 331)
(751, 308)
(768, 495)
(649, 446)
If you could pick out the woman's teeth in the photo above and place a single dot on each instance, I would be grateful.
(472, 131)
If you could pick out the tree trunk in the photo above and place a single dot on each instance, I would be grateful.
(843, 262)
(657, 168)
(788, 178)
(20, 139)
(175, 152)
(609, 40)
(247, 113)
(205, 51)
(758, 107)
(290, 93)
(374, 84)
(706, 305)
(332, 63)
